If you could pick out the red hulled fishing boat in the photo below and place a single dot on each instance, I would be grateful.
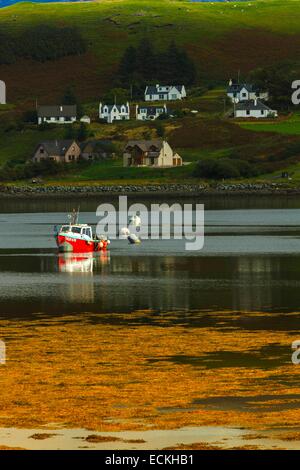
(78, 238)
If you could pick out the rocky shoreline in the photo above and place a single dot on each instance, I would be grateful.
(150, 189)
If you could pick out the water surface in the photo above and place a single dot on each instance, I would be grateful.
(148, 314)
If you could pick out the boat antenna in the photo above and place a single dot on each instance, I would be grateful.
(77, 215)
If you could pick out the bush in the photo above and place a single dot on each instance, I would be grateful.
(160, 130)
(18, 170)
(30, 117)
(245, 169)
(216, 169)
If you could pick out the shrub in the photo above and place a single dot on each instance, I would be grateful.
(216, 169)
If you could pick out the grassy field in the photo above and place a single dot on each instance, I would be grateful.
(290, 126)
(222, 38)
(19, 145)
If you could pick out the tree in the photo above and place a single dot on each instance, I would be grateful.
(70, 98)
(30, 116)
(144, 65)
(277, 81)
(128, 63)
(120, 95)
(83, 132)
(177, 66)
(70, 132)
(160, 130)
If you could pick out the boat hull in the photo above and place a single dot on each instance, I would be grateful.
(78, 245)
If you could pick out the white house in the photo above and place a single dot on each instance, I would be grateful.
(114, 112)
(62, 114)
(245, 91)
(165, 93)
(253, 109)
(150, 113)
(2, 92)
(153, 153)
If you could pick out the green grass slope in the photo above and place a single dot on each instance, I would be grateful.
(221, 37)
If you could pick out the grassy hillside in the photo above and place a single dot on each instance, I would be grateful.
(221, 38)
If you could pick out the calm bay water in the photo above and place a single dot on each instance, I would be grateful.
(250, 261)
(142, 316)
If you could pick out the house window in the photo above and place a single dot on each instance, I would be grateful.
(174, 97)
(161, 97)
(244, 95)
(42, 150)
(262, 112)
(248, 112)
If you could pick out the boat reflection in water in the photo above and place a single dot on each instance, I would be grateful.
(82, 263)
(80, 271)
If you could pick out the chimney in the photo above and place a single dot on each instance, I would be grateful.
(230, 82)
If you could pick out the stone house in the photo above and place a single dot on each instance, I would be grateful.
(61, 151)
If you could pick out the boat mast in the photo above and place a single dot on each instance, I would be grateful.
(75, 216)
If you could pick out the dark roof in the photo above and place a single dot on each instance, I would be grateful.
(57, 111)
(94, 145)
(236, 87)
(249, 105)
(56, 147)
(153, 89)
(111, 106)
(145, 145)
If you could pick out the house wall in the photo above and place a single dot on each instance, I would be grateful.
(142, 116)
(2, 92)
(166, 158)
(41, 156)
(54, 120)
(126, 157)
(244, 95)
(72, 154)
(114, 114)
(157, 97)
(254, 114)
